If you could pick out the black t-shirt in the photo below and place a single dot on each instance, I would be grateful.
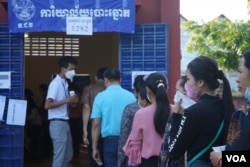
(196, 128)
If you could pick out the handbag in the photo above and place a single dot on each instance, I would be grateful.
(208, 146)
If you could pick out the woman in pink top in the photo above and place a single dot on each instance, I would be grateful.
(144, 142)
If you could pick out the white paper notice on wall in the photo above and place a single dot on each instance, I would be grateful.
(16, 112)
(79, 26)
(136, 73)
(5, 78)
(2, 105)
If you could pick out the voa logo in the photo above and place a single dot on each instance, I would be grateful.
(236, 158)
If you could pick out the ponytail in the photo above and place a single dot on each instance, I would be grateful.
(162, 110)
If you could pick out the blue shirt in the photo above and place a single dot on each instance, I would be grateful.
(109, 106)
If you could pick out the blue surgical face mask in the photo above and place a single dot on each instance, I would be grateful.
(247, 94)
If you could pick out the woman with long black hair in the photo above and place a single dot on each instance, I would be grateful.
(144, 142)
(203, 125)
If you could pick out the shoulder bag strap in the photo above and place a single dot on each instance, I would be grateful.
(208, 146)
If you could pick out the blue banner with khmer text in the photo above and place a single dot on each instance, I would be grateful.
(51, 15)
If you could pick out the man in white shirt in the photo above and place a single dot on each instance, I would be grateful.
(57, 102)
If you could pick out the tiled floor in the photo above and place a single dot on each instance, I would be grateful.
(82, 161)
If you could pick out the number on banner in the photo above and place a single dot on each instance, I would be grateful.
(79, 26)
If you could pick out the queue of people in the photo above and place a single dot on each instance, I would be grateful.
(142, 129)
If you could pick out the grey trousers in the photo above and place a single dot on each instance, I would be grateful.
(62, 143)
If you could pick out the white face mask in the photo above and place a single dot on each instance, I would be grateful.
(70, 74)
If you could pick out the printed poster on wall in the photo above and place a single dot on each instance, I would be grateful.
(5, 78)
(134, 74)
(16, 113)
(2, 105)
(51, 15)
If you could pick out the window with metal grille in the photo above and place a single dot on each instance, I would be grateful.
(50, 46)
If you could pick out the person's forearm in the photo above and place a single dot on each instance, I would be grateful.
(54, 104)
(85, 118)
(95, 133)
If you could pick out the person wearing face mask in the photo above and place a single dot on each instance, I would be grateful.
(239, 130)
(163, 158)
(128, 116)
(70, 74)
(143, 100)
(203, 125)
(144, 142)
(56, 103)
(180, 84)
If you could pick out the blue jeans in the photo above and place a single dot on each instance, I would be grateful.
(62, 143)
(110, 151)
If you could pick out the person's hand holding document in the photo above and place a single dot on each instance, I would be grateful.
(186, 101)
(219, 148)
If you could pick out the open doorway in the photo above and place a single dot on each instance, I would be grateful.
(42, 52)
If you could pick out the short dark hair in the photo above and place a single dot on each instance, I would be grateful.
(28, 93)
(183, 81)
(112, 74)
(138, 82)
(143, 93)
(66, 60)
(100, 72)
